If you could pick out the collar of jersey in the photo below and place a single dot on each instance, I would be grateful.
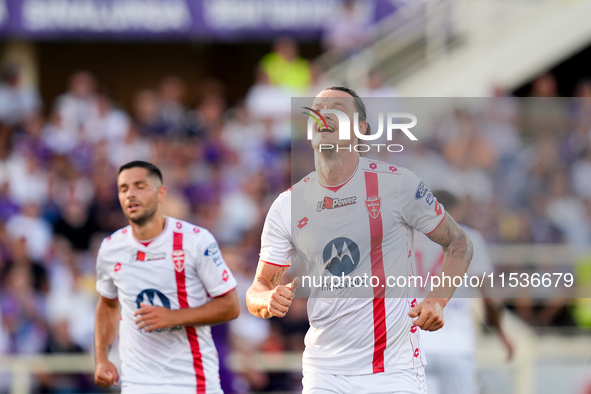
(337, 187)
(149, 241)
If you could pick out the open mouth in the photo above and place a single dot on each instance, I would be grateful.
(133, 206)
(324, 130)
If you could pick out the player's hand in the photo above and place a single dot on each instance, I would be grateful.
(105, 374)
(152, 317)
(429, 313)
(280, 299)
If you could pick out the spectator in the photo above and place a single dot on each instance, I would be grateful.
(18, 101)
(347, 32)
(172, 93)
(284, 66)
(78, 104)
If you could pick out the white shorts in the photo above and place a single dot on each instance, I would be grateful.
(404, 381)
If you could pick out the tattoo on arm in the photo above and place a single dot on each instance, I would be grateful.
(453, 239)
(276, 278)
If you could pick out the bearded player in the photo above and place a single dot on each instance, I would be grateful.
(366, 344)
(162, 283)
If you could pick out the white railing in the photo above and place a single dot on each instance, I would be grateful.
(429, 31)
(531, 349)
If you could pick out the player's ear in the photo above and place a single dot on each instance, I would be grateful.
(161, 193)
(364, 127)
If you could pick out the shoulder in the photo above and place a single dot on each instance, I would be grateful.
(303, 183)
(190, 232)
(115, 240)
(299, 187)
(369, 165)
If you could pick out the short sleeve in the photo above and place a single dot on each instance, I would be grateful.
(276, 246)
(105, 285)
(211, 267)
(419, 208)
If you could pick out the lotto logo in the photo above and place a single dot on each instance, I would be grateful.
(302, 223)
(225, 276)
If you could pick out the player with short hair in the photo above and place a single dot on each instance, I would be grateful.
(162, 283)
(355, 216)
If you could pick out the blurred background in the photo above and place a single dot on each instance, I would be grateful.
(203, 89)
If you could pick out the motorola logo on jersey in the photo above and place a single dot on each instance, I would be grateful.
(152, 297)
(341, 256)
(156, 298)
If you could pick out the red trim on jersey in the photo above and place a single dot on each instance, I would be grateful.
(337, 187)
(377, 269)
(146, 243)
(444, 215)
(177, 244)
(221, 295)
(276, 265)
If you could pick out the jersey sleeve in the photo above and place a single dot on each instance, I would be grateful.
(419, 208)
(211, 268)
(105, 285)
(276, 245)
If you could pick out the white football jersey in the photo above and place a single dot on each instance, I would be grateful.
(181, 268)
(457, 337)
(362, 227)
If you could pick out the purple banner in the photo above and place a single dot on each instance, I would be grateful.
(190, 19)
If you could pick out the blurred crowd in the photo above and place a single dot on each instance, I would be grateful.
(522, 167)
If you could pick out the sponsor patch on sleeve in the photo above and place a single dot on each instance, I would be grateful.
(421, 191)
(212, 249)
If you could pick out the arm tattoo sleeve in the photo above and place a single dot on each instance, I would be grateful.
(276, 278)
(453, 239)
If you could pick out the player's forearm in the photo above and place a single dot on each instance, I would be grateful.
(458, 251)
(105, 327)
(219, 310)
(257, 299)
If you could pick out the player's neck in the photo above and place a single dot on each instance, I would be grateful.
(335, 170)
(149, 230)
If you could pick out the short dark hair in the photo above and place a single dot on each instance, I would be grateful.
(446, 198)
(359, 105)
(152, 169)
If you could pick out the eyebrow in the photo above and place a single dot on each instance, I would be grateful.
(133, 183)
(334, 104)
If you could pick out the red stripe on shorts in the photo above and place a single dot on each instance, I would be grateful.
(191, 332)
(377, 269)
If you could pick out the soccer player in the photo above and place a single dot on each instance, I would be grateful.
(162, 282)
(355, 216)
(450, 351)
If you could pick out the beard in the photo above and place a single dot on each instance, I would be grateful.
(144, 217)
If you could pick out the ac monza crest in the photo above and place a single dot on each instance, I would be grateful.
(373, 206)
(178, 259)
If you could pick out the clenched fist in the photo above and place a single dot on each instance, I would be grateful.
(429, 313)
